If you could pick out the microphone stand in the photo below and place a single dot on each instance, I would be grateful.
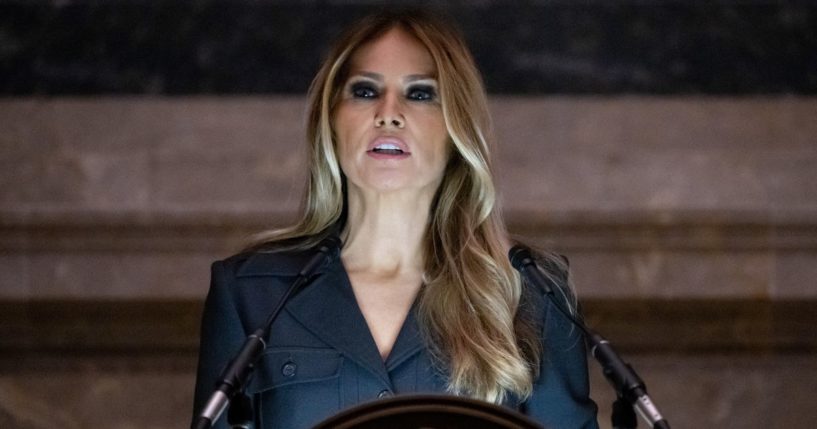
(628, 385)
(232, 380)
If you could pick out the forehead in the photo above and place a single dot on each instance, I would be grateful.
(395, 51)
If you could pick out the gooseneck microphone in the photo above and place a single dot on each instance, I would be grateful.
(622, 377)
(235, 376)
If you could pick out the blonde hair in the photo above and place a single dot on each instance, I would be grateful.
(469, 305)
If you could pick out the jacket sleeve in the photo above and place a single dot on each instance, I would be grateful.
(221, 337)
(561, 393)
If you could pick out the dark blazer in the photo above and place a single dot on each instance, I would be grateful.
(321, 358)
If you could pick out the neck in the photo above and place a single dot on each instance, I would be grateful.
(385, 233)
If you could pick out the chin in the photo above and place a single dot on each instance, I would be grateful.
(388, 181)
(394, 181)
(390, 186)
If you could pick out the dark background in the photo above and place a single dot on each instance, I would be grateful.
(547, 47)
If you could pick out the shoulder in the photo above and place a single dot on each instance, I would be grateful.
(556, 270)
(547, 309)
(264, 263)
(245, 286)
(286, 257)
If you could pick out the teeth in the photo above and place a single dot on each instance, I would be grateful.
(387, 146)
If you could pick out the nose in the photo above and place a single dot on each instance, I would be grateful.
(388, 114)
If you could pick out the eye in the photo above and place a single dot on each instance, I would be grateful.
(421, 93)
(363, 90)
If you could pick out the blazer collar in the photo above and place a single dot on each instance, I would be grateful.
(329, 310)
(277, 264)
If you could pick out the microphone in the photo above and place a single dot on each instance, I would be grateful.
(627, 383)
(238, 372)
(621, 375)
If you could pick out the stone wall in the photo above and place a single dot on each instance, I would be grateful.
(674, 197)
(690, 223)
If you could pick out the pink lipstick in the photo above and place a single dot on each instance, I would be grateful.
(388, 148)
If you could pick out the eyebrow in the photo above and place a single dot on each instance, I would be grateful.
(410, 78)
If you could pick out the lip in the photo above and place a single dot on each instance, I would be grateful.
(390, 140)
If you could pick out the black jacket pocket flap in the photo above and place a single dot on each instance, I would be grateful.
(283, 366)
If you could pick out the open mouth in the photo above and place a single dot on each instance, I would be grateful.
(387, 149)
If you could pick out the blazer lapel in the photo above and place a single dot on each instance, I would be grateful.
(409, 341)
(328, 309)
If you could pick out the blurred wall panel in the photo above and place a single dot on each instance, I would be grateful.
(688, 197)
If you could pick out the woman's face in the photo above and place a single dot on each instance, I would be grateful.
(391, 135)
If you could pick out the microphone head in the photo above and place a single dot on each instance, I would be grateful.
(520, 256)
(325, 253)
(330, 246)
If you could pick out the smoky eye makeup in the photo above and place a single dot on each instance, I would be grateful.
(421, 92)
(362, 88)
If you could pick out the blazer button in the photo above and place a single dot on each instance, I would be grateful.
(384, 394)
(289, 368)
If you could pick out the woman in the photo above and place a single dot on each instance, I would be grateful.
(422, 298)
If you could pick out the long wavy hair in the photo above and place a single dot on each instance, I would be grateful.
(469, 307)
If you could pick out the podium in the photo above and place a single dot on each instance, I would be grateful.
(428, 412)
